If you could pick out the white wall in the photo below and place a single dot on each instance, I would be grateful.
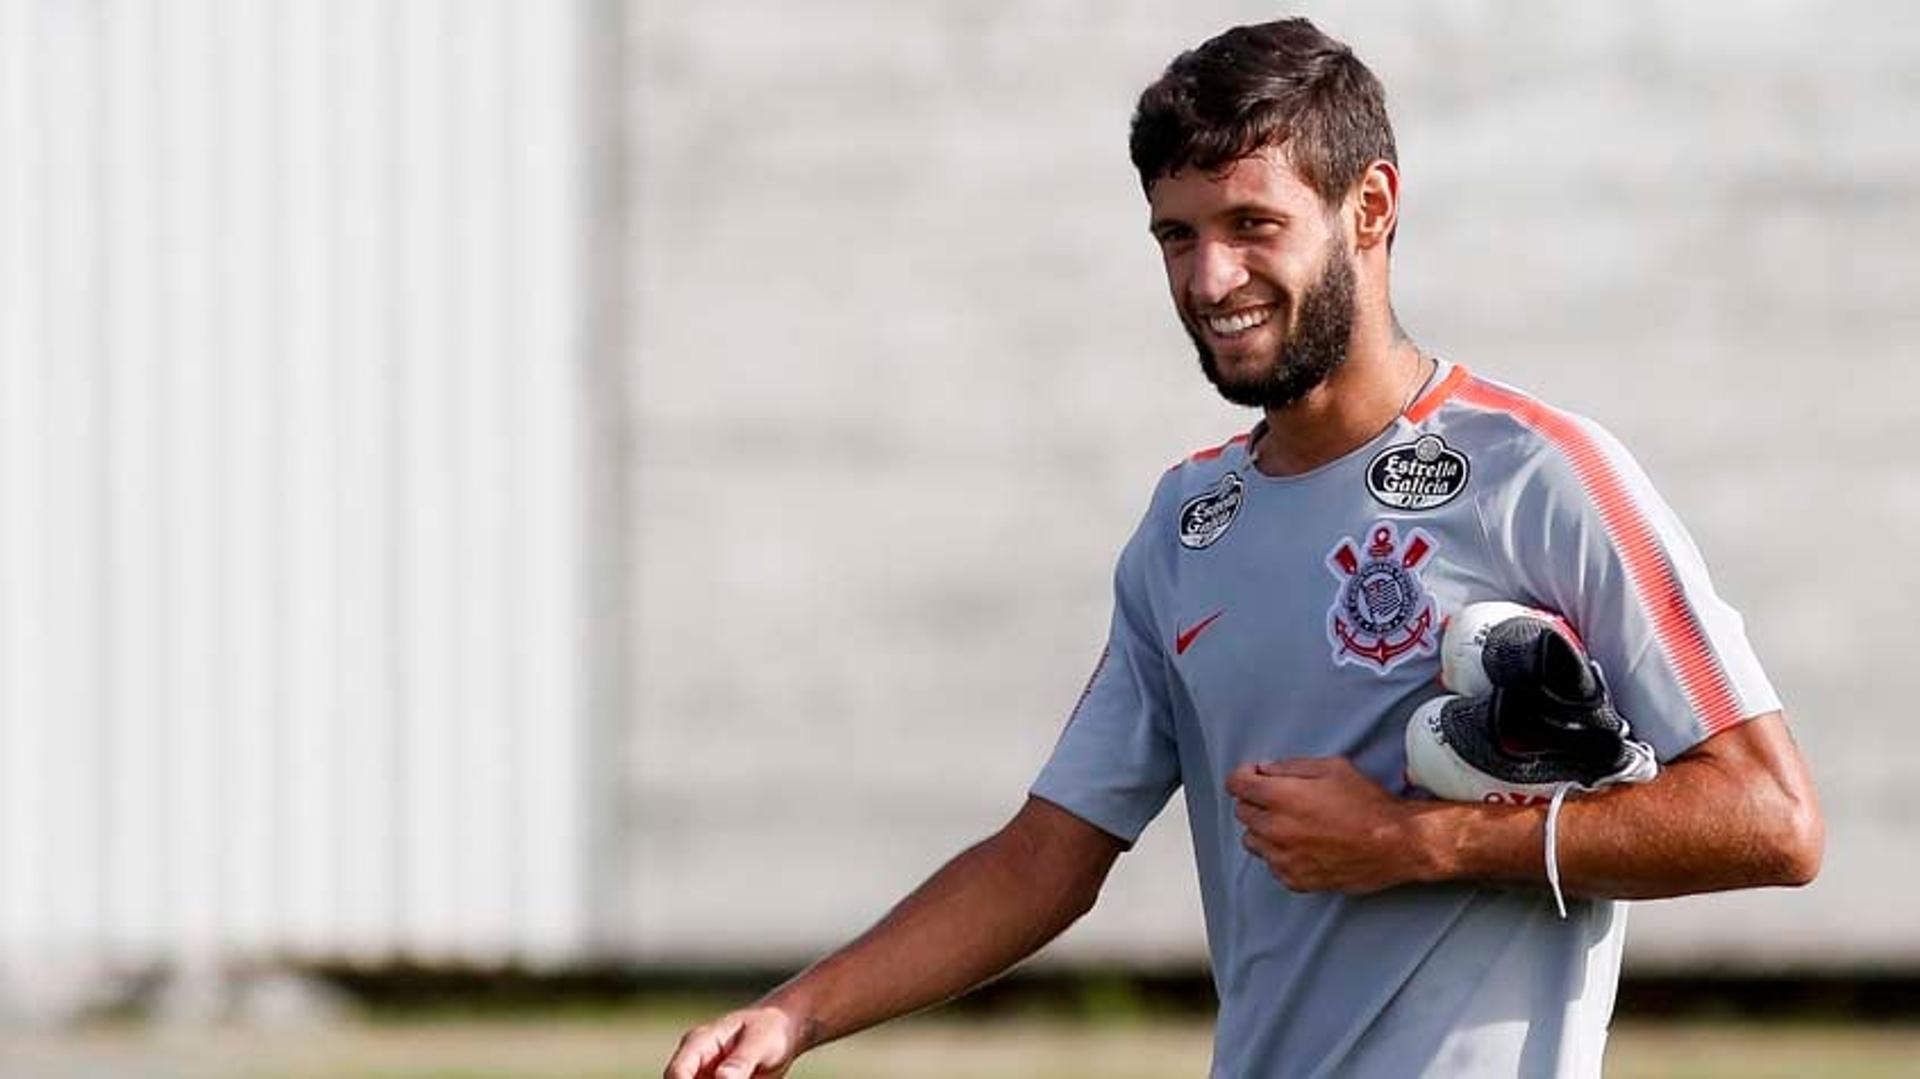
(290, 497)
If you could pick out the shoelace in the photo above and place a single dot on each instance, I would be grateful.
(1553, 846)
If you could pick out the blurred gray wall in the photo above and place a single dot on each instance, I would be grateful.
(905, 373)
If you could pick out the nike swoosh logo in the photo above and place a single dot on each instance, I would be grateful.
(1185, 640)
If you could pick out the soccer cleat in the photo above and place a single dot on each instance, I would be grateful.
(1471, 634)
(1543, 720)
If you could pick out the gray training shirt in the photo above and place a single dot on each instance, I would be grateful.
(1259, 618)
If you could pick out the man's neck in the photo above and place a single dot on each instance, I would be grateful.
(1355, 403)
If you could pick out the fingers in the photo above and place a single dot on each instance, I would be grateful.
(1259, 846)
(1242, 781)
(1263, 783)
(744, 1045)
(758, 1046)
(1302, 767)
(700, 1047)
(1261, 834)
(1278, 864)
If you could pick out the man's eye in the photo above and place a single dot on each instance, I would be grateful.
(1258, 224)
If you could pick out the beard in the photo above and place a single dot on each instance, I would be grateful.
(1314, 349)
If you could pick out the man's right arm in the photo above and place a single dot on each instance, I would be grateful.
(987, 909)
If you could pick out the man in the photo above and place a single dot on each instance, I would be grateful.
(1276, 619)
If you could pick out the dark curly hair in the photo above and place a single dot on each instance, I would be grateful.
(1277, 84)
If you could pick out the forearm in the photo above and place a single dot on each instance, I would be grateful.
(1704, 825)
(987, 909)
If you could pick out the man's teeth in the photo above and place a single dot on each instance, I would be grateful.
(1239, 321)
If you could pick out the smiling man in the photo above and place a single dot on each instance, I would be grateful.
(1277, 617)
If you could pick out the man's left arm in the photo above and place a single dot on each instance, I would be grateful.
(1736, 811)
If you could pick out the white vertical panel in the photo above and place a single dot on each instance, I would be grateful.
(473, 38)
(23, 653)
(503, 297)
(192, 400)
(251, 476)
(465, 377)
(428, 537)
(362, 218)
(308, 585)
(132, 855)
(303, 42)
(67, 255)
(289, 526)
(555, 604)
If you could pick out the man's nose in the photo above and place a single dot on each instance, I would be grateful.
(1217, 272)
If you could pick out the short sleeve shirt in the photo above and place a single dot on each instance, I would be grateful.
(1259, 618)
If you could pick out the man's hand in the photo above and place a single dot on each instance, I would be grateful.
(756, 1043)
(987, 909)
(1322, 826)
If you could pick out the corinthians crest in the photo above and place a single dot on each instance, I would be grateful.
(1382, 615)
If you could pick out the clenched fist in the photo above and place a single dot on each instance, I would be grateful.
(1322, 826)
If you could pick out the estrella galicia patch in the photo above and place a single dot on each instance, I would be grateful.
(1420, 475)
(1206, 516)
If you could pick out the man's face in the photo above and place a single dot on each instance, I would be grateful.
(1261, 274)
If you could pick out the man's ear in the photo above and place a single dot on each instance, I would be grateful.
(1376, 201)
